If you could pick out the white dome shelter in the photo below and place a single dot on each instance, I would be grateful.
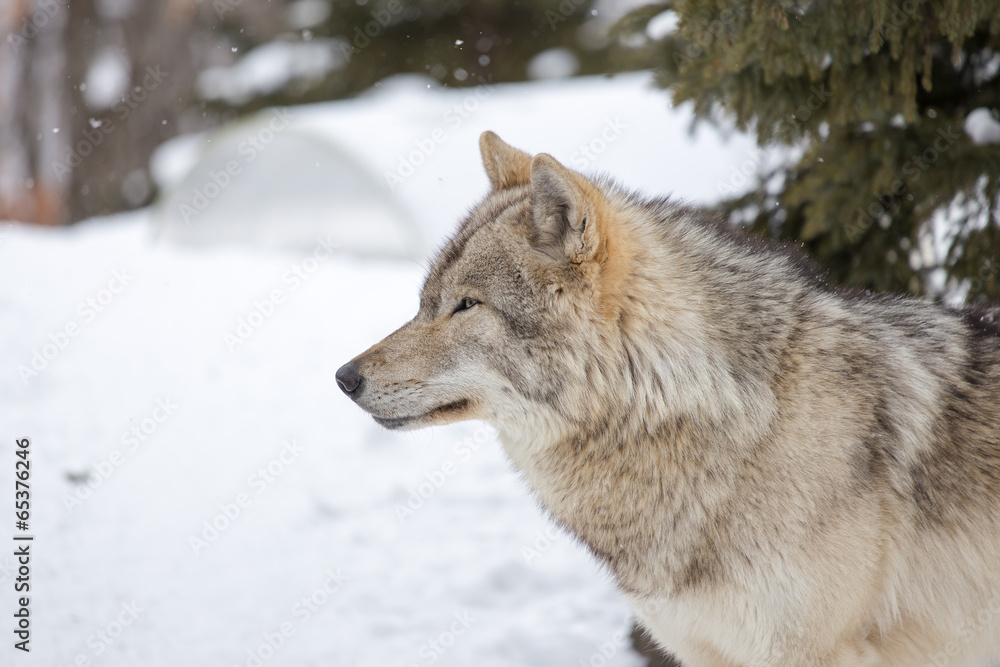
(266, 182)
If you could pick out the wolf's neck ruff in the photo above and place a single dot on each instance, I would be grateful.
(629, 494)
(638, 463)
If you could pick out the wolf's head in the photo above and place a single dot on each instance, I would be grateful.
(514, 308)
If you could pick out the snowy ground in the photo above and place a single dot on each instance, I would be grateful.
(199, 502)
(332, 504)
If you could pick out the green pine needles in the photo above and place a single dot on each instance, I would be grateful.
(885, 115)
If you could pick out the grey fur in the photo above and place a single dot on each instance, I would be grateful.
(776, 472)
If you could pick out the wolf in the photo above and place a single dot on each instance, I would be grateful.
(775, 471)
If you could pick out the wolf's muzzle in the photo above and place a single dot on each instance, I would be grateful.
(348, 379)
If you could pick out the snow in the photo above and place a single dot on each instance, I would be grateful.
(303, 14)
(175, 159)
(107, 79)
(270, 67)
(314, 190)
(982, 127)
(422, 140)
(331, 507)
(554, 63)
(662, 25)
(174, 394)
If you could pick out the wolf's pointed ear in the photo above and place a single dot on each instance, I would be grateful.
(561, 210)
(505, 165)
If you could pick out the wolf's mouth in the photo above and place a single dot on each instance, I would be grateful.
(441, 411)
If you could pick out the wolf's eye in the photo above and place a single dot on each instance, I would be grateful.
(464, 304)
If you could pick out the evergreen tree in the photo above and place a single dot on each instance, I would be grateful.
(890, 108)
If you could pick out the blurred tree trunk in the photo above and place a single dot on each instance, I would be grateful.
(81, 41)
(31, 117)
(64, 156)
(154, 39)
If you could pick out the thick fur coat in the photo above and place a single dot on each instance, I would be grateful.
(776, 472)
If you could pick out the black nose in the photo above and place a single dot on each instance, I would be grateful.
(348, 378)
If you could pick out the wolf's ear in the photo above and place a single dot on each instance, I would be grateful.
(561, 208)
(505, 165)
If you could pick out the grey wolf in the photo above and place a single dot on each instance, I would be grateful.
(775, 472)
